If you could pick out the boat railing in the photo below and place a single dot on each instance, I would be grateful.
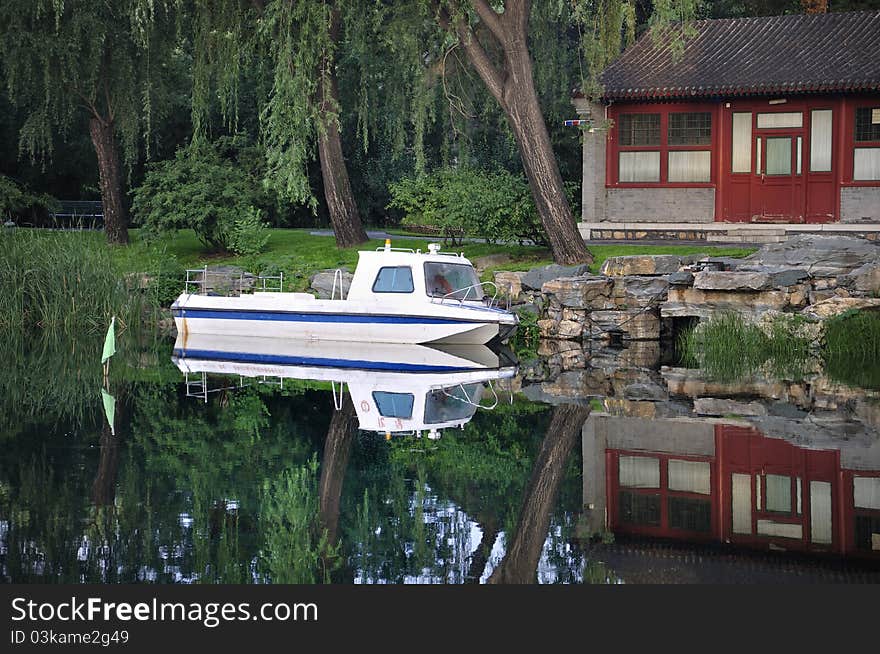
(384, 249)
(492, 302)
(467, 398)
(204, 281)
(198, 386)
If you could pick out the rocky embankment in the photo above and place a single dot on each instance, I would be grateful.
(638, 297)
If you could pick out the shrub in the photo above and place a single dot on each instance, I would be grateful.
(206, 192)
(18, 202)
(457, 202)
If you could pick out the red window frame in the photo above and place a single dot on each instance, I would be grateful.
(849, 139)
(615, 148)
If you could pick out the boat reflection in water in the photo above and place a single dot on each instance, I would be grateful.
(395, 388)
(692, 482)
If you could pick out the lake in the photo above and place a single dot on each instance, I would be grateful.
(599, 467)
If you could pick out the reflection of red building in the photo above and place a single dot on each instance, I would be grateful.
(748, 489)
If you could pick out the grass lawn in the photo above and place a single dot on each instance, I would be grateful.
(299, 254)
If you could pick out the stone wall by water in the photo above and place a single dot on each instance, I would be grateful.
(635, 298)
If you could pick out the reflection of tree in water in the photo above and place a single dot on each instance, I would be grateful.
(524, 550)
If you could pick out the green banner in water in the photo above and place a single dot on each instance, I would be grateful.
(109, 341)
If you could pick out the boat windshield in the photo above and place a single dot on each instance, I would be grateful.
(453, 403)
(454, 280)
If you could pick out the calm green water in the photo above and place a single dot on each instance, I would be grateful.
(262, 484)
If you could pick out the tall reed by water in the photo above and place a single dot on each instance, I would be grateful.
(851, 350)
(60, 281)
(728, 347)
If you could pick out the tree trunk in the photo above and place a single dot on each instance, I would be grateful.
(344, 215)
(513, 86)
(539, 162)
(115, 216)
(520, 562)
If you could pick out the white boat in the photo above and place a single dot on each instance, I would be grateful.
(395, 389)
(396, 296)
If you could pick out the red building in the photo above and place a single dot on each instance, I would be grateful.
(733, 485)
(759, 120)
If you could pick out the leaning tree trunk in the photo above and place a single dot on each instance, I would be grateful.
(520, 563)
(539, 162)
(115, 216)
(513, 86)
(344, 215)
(337, 446)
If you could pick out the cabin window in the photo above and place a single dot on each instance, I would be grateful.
(394, 279)
(448, 404)
(454, 280)
(394, 405)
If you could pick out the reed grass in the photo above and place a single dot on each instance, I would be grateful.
(727, 347)
(51, 281)
(851, 350)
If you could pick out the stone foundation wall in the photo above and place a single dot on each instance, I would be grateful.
(860, 204)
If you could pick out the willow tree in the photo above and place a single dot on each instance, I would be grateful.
(293, 44)
(69, 61)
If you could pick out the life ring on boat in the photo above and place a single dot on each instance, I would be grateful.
(365, 406)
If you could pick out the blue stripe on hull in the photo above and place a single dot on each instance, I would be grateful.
(318, 317)
(276, 359)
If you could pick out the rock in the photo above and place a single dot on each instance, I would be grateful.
(681, 278)
(509, 283)
(837, 305)
(537, 277)
(644, 264)
(788, 277)
(532, 309)
(632, 292)
(548, 328)
(570, 329)
(732, 281)
(865, 279)
(635, 324)
(684, 301)
(322, 283)
(225, 280)
(822, 256)
(713, 406)
(584, 292)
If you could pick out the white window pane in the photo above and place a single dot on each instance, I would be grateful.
(689, 476)
(758, 155)
(866, 164)
(800, 147)
(690, 166)
(639, 472)
(820, 511)
(778, 493)
(639, 167)
(867, 492)
(780, 529)
(779, 155)
(820, 140)
(741, 504)
(742, 143)
(778, 120)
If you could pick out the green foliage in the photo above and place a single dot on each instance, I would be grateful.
(17, 201)
(730, 348)
(525, 340)
(459, 202)
(203, 191)
(293, 553)
(851, 348)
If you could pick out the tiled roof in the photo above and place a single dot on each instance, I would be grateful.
(797, 53)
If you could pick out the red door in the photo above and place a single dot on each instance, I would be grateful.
(779, 180)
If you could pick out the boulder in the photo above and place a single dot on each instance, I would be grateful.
(635, 324)
(644, 264)
(683, 278)
(715, 406)
(864, 279)
(536, 278)
(632, 292)
(685, 301)
(732, 281)
(585, 292)
(569, 329)
(822, 256)
(835, 306)
(509, 283)
(322, 283)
